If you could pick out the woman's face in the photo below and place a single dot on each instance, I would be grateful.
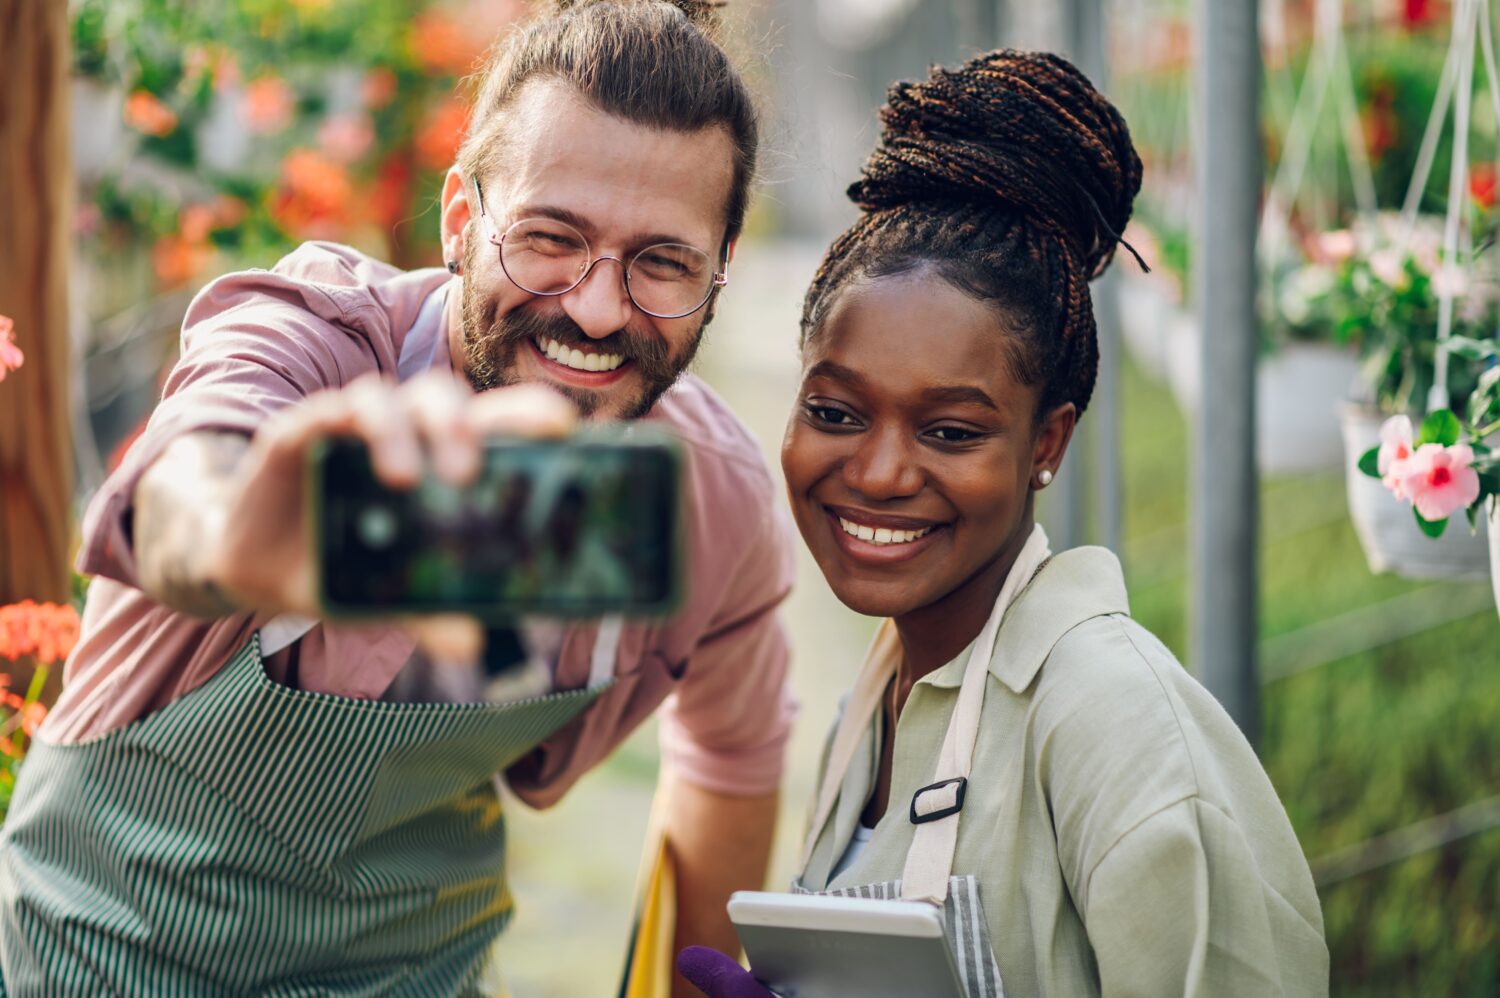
(910, 454)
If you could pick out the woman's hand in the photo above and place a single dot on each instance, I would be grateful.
(717, 976)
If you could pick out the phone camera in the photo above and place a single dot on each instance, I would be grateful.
(377, 526)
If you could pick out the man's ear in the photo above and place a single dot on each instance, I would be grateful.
(455, 214)
(1053, 435)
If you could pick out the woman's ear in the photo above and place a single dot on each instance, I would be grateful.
(455, 214)
(1054, 433)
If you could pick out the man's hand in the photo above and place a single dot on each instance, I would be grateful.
(221, 522)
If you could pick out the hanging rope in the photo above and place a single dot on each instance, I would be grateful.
(1328, 69)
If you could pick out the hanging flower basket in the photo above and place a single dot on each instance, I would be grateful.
(1299, 391)
(1392, 539)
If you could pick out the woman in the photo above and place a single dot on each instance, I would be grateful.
(1016, 745)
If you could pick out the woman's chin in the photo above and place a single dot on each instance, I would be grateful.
(876, 599)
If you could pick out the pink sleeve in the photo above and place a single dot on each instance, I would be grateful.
(726, 726)
(252, 344)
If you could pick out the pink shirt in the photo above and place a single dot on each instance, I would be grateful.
(258, 341)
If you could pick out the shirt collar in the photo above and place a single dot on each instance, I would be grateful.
(1071, 587)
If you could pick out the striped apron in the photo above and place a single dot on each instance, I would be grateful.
(253, 838)
(936, 808)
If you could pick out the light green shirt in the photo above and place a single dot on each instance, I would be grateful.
(1126, 839)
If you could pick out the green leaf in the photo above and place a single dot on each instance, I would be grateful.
(1441, 427)
(1369, 462)
(1473, 514)
(1432, 528)
(1473, 349)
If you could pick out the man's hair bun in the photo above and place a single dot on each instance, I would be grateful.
(1022, 130)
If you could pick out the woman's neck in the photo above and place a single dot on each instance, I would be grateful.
(931, 636)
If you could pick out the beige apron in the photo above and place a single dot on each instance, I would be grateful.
(935, 809)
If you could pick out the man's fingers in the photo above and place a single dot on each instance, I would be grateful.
(387, 430)
(522, 411)
(448, 639)
(439, 409)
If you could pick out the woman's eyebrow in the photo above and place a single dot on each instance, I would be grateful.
(959, 394)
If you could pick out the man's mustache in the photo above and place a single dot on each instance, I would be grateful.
(649, 352)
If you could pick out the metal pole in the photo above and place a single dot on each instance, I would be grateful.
(1087, 46)
(1225, 487)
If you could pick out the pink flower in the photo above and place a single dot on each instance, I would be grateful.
(346, 137)
(1395, 449)
(268, 105)
(1439, 480)
(11, 357)
(1388, 266)
(1450, 281)
(1336, 246)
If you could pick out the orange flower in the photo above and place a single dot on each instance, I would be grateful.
(11, 357)
(268, 105)
(47, 630)
(440, 137)
(443, 44)
(228, 211)
(178, 259)
(145, 112)
(391, 195)
(379, 88)
(315, 198)
(1482, 184)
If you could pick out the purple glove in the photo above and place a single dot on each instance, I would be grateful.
(717, 976)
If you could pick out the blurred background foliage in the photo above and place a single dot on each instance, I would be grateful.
(216, 134)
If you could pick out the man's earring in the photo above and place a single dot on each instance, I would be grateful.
(1045, 477)
(453, 267)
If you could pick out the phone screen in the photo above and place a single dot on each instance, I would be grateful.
(559, 528)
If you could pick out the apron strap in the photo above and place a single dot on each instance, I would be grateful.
(935, 809)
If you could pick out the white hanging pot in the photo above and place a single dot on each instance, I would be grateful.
(1144, 312)
(1298, 392)
(1388, 531)
(1184, 359)
(97, 128)
(1495, 549)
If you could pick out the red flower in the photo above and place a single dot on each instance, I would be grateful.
(315, 199)
(11, 357)
(1415, 13)
(47, 630)
(1482, 183)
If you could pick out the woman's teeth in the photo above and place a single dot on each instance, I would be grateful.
(881, 535)
(577, 359)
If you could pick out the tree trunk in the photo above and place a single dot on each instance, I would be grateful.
(36, 481)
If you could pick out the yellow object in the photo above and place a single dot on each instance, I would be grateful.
(648, 969)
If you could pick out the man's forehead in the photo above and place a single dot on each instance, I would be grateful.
(561, 151)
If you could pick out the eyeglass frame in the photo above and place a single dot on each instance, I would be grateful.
(719, 282)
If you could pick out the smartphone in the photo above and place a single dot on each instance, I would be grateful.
(580, 527)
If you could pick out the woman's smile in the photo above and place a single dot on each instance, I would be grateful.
(879, 539)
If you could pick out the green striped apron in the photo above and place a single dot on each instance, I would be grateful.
(253, 838)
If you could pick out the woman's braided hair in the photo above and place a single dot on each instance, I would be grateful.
(1013, 177)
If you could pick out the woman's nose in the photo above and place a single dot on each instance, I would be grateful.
(883, 467)
(600, 305)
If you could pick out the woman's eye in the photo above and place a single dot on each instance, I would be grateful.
(953, 434)
(829, 415)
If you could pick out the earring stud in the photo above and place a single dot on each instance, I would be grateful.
(1045, 477)
(453, 266)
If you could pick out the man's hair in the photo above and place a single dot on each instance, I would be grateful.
(1013, 178)
(657, 63)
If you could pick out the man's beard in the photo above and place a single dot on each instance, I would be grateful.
(490, 347)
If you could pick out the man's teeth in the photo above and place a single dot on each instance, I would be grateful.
(881, 535)
(577, 359)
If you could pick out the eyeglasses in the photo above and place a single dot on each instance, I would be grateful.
(545, 256)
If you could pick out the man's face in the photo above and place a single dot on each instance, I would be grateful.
(624, 187)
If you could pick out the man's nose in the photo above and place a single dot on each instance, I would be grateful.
(883, 466)
(600, 305)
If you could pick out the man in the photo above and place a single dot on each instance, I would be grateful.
(233, 796)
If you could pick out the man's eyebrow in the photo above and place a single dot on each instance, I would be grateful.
(583, 225)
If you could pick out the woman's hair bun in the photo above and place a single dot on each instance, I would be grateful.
(704, 13)
(1019, 130)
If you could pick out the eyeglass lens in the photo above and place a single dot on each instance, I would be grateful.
(548, 257)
